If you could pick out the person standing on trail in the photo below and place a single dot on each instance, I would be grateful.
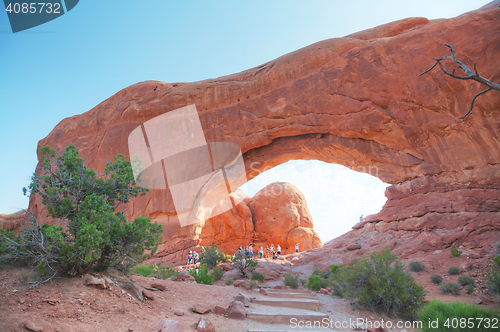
(250, 250)
(297, 247)
(279, 250)
(195, 256)
(261, 252)
(272, 250)
(267, 252)
(190, 257)
(361, 218)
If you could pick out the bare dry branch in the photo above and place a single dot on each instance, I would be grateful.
(472, 103)
(469, 75)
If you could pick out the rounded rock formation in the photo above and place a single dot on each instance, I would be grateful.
(281, 216)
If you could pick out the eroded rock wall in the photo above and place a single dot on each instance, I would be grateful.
(356, 101)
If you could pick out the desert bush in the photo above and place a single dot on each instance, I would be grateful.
(290, 279)
(211, 256)
(217, 273)
(457, 316)
(229, 281)
(25, 275)
(143, 270)
(95, 235)
(314, 282)
(416, 266)
(453, 270)
(470, 288)
(258, 276)
(244, 264)
(450, 288)
(251, 284)
(202, 275)
(494, 274)
(225, 258)
(157, 270)
(465, 280)
(325, 274)
(436, 278)
(380, 283)
(165, 272)
(455, 252)
(334, 268)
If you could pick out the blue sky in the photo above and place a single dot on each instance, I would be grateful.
(69, 65)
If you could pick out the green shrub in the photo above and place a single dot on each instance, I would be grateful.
(325, 274)
(229, 281)
(314, 282)
(251, 284)
(325, 283)
(470, 288)
(416, 266)
(258, 276)
(453, 270)
(380, 283)
(225, 258)
(290, 279)
(217, 273)
(244, 264)
(165, 272)
(436, 278)
(450, 288)
(494, 274)
(203, 275)
(25, 275)
(455, 252)
(97, 235)
(465, 280)
(334, 268)
(211, 256)
(457, 314)
(143, 270)
(155, 270)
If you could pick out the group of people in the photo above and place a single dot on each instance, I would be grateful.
(268, 252)
(193, 257)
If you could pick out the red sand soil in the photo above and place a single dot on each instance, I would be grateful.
(68, 304)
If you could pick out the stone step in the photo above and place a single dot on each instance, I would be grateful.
(289, 303)
(279, 315)
(292, 295)
(298, 290)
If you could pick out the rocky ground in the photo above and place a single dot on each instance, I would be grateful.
(69, 304)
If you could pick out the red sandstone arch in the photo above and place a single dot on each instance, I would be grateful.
(356, 101)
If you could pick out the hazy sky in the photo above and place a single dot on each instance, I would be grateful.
(71, 64)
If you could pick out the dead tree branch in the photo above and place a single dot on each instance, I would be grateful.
(469, 75)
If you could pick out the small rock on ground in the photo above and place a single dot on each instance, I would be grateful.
(168, 325)
(201, 308)
(204, 325)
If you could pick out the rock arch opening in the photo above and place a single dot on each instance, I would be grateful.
(336, 196)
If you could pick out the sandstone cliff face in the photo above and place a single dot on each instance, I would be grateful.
(277, 214)
(281, 216)
(356, 101)
(230, 229)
